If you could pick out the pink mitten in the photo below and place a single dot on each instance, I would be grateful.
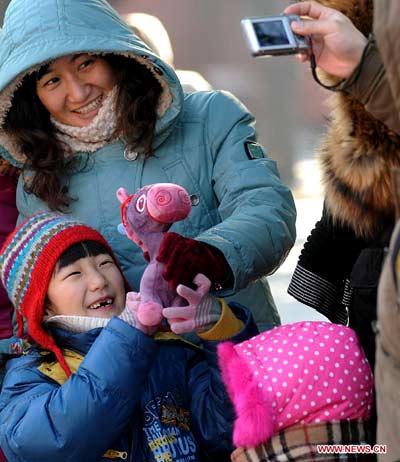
(130, 314)
(202, 312)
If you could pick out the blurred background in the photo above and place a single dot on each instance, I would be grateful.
(290, 108)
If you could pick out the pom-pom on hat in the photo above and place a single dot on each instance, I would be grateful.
(27, 260)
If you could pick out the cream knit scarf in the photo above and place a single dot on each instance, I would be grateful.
(79, 324)
(97, 134)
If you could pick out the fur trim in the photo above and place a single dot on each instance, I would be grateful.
(7, 94)
(358, 153)
(357, 157)
(360, 12)
(254, 422)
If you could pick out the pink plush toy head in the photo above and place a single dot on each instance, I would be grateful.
(152, 208)
(146, 216)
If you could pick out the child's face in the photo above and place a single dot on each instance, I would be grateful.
(74, 87)
(91, 286)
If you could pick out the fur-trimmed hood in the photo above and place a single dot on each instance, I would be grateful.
(37, 32)
(358, 152)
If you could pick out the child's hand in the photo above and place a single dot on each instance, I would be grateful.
(132, 306)
(202, 312)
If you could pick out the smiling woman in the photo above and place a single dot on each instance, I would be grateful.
(80, 103)
(73, 88)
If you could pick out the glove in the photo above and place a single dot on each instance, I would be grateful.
(129, 315)
(202, 312)
(184, 258)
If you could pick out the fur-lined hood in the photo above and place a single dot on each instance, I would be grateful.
(359, 152)
(37, 32)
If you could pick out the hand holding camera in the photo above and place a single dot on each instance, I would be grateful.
(273, 36)
(337, 44)
(326, 36)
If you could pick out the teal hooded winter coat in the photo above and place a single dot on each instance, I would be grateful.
(204, 141)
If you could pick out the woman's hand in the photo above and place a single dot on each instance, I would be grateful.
(337, 44)
(201, 313)
(184, 258)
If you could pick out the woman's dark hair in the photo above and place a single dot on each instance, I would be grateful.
(81, 250)
(28, 123)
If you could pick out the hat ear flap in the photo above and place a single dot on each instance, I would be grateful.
(34, 319)
(45, 340)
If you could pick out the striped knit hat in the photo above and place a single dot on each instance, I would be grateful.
(27, 260)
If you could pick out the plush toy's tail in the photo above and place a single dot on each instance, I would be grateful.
(254, 422)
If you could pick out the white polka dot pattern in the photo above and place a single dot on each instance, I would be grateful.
(310, 372)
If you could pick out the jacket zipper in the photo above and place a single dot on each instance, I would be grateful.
(113, 454)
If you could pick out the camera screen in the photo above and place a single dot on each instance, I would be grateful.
(271, 33)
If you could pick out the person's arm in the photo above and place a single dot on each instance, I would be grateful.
(370, 86)
(81, 419)
(324, 265)
(343, 51)
(212, 413)
(257, 210)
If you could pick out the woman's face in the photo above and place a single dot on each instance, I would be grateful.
(90, 286)
(73, 88)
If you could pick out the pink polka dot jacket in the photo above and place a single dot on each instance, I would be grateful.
(295, 374)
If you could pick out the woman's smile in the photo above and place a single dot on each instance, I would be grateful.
(91, 109)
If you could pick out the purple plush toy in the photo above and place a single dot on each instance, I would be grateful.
(146, 216)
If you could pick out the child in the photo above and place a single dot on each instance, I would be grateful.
(295, 387)
(158, 398)
(94, 389)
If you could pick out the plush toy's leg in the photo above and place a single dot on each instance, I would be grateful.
(150, 313)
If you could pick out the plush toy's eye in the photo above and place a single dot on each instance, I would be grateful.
(141, 203)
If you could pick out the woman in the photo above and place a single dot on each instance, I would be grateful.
(88, 108)
(341, 262)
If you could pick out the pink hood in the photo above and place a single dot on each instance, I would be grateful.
(293, 374)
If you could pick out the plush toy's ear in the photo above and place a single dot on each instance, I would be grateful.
(122, 194)
(167, 203)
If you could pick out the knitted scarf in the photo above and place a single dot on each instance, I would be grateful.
(100, 131)
(79, 324)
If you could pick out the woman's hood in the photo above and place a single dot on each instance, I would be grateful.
(39, 31)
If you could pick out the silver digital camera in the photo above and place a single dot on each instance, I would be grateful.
(273, 36)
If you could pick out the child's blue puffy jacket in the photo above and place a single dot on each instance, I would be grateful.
(132, 398)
